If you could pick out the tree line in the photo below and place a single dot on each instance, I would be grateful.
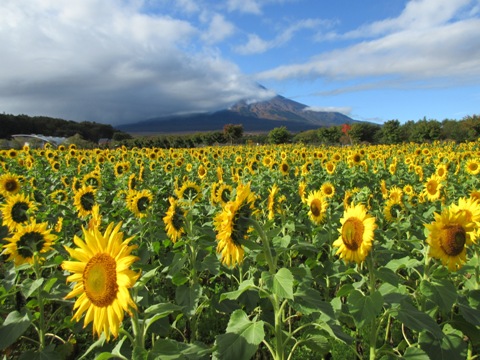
(87, 134)
(24, 124)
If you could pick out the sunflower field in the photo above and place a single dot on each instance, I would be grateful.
(241, 252)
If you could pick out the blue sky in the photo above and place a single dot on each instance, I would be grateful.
(120, 61)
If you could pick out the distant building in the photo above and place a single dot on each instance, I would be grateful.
(39, 140)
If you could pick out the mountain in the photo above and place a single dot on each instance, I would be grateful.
(260, 116)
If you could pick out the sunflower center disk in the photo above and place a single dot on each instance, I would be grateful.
(29, 243)
(100, 280)
(453, 240)
(87, 200)
(11, 186)
(19, 212)
(352, 233)
(316, 207)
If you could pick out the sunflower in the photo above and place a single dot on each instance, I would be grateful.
(96, 219)
(432, 188)
(189, 192)
(471, 208)
(395, 194)
(302, 191)
(473, 167)
(232, 225)
(328, 190)
(274, 202)
(174, 220)
(448, 237)
(139, 201)
(102, 278)
(356, 234)
(9, 184)
(84, 200)
(393, 209)
(330, 167)
(16, 211)
(317, 206)
(284, 168)
(92, 179)
(201, 171)
(28, 240)
(59, 196)
(441, 171)
(224, 193)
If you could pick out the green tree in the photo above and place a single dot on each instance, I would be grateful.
(233, 132)
(425, 130)
(364, 132)
(330, 135)
(279, 135)
(306, 137)
(390, 133)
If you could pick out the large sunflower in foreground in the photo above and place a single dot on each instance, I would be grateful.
(16, 211)
(317, 206)
(102, 277)
(28, 240)
(232, 225)
(449, 235)
(174, 220)
(356, 234)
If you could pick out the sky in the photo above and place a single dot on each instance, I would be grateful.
(122, 61)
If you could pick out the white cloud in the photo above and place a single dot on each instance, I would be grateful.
(218, 30)
(108, 61)
(443, 49)
(256, 45)
(245, 6)
(346, 110)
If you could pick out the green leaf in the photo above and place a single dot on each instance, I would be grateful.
(233, 295)
(146, 277)
(13, 327)
(159, 311)
(363, 308)
(167, 349)
(469, 313)
(179, 279)
(414, 353)
(416, 320)
(319, 344)
(450, 347)
(387, 275)
(440, 292)
(48, 353)
(241, 340)
(345, 290)
(29, 286)
(309, 301)
(188, 296)
(280, 284)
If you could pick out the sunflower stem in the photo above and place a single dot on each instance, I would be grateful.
(41, 308)
(372, 289)
(138, 331)
(266, 245)
(477, 268)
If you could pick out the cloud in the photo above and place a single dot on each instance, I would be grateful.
(346, 110)
(112, 62)
(219, 29)
(256, 45)
(429, 42)
(245, 6)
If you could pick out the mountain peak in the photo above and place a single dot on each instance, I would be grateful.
(261, 116)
